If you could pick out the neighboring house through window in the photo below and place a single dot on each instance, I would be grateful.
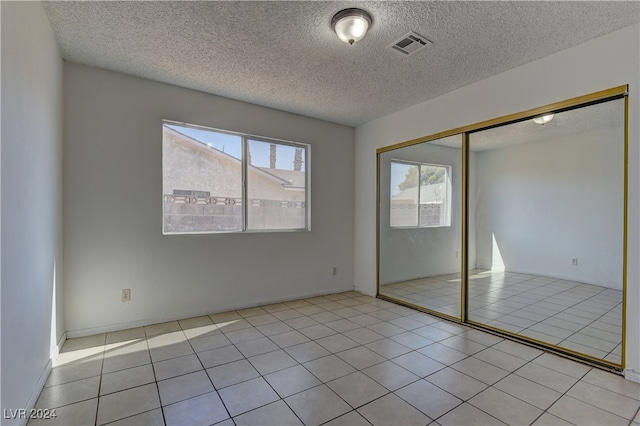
(420, 195)
(219, 181)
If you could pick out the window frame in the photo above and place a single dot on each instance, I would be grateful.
(448, 201)
(245, 138)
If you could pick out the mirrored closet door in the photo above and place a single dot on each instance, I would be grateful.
(419, 225)
(546, 207)
(532, 207)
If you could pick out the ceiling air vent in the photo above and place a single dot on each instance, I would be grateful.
(410, 43)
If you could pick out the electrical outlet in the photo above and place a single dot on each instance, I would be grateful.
(574, 261)
(334, 271)
(125, 296)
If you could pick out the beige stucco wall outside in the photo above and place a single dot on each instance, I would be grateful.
(189, 165)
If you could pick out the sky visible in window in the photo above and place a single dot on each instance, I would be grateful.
(232, 145)
(261, 152)
(398, 175)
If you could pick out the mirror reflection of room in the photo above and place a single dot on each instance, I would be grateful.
(420, 225)
(547, 212)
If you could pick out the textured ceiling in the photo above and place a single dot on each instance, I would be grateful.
(582, 120)
(284, 55)
(592, 118)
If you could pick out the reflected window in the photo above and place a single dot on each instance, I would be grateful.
(420, 195)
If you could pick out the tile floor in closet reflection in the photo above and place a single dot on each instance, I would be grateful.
(340, 359)
(581, 317)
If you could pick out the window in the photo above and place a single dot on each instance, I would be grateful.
(420, 195)
(218, 181)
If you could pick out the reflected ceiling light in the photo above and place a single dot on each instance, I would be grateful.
(351, 25)
(543, 119)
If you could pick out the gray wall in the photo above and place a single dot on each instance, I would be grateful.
(113, 209)
(31, 175)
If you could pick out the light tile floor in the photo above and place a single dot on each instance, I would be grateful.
(340, 359)
(582, 317)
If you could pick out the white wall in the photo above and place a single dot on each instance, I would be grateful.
(598, 64)
(113, 209)
(31, 175)
(544, 203)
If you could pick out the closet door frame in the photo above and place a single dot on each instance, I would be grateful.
(619, 92)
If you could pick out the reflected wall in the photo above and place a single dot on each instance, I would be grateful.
(549, 215)
(420, 224)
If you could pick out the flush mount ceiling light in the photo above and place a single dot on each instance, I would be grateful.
(351, 25)
(543, 119)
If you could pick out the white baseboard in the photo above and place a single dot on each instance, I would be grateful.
(365, 291)
(56, 350)
(632, 375)
(557, 277)
(35, 393)
(42, 380)
(71, 334)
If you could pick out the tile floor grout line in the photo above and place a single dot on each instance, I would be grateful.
(100, 381)
(478, 408)
(595, 320)
(282, 398)
(133, 415)
(595, 406)
(319, 385)
(531, 361)
(563, 394)
(100, 384)
(215, 389)
(99, 397)
(546, 299)
(582, 300)
(155, 379)
(75, 402)
(263, 377)
(520, 399)
(399, 313)
(637, 413)
(444, 390)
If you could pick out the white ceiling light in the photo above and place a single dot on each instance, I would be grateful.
(543, 119)
(351, 25)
